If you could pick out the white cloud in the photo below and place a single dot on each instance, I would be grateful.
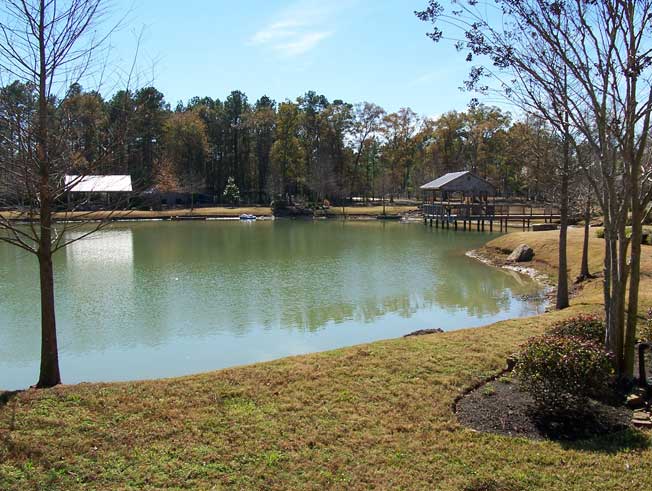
(299, 28)
(302, 44)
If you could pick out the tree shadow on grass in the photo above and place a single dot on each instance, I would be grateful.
(6, 397)
(612, 443)
(595, 427)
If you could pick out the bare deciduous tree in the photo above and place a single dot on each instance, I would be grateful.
(47, 46)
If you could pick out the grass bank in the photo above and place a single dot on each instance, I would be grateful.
(376, 416)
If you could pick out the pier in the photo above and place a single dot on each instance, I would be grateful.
(464, 201)
(487, 217)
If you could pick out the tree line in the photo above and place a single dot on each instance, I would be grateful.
(311, 148)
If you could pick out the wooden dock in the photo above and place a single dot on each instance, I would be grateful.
(483, 217)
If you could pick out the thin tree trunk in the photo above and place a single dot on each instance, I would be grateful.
(635, 276)
(562, 276)
(619, 296)
(584, 271)
(610, 330)
(49, 372)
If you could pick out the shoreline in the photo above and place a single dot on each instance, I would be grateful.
(212, 213)
(548, 287)
(531, 272)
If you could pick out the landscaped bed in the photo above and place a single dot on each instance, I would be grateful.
(377, 416)
(502, 406)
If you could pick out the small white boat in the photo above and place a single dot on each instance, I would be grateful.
(246, 216)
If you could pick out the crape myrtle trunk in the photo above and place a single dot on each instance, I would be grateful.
(562, 277)
(584, 270)
(634, 280)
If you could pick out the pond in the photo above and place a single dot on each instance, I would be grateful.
(161, 299)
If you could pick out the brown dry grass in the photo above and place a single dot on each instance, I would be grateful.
(376, 416)
(216, 212)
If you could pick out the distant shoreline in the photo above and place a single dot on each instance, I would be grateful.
(214, 213)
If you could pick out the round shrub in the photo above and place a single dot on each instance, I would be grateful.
(561, 373)
(586, 327)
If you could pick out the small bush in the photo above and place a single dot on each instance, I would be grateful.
(586, 327)
(645, 239)
(561, 373)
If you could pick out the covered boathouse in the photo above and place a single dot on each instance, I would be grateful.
(458, 196)
(462, 199)
(464, 185)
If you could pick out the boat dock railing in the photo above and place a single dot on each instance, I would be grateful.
(481, 216)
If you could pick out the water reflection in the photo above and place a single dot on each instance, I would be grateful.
(154, 296)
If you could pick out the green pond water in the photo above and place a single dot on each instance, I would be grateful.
(160, 299)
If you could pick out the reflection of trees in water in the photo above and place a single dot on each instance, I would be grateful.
(198, 279)
(307, 275)
(488, 292)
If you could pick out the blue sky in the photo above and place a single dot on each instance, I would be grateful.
(355, 50)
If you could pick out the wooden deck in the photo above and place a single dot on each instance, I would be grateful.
(482, 217)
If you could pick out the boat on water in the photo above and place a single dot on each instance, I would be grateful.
(247, 217)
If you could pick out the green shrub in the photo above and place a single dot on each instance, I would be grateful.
(646, 239)
(231, 192)
(586, 327)
(561, 373)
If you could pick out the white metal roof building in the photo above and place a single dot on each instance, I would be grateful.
(98, 184)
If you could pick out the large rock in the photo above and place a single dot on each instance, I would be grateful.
(424, 332)
(521, 254)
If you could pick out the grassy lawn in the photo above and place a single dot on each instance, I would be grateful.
(376, 416)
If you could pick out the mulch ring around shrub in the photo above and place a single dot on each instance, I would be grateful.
(501, 407)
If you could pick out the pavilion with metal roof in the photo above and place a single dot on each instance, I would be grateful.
(465, 183)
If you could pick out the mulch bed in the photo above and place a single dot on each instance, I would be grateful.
(502, 407)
